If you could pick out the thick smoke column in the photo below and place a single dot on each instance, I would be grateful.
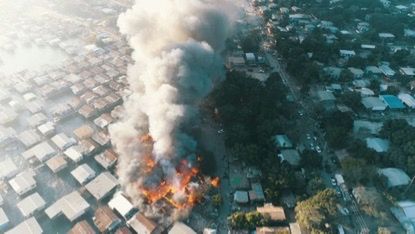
(176, 45)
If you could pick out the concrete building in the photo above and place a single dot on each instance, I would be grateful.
(140, 224)
(31, 204)
(28, 226)
(106, 220)
(23, 182)
(102, 185)
(74, 153)
(72, 206)
(121, 205)
(83, 173)
(57, 163)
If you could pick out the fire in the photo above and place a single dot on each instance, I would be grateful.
(215, 182)
(181, 185)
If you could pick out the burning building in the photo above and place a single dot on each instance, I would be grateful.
(176, 46)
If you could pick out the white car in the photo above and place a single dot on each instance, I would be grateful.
(318, 149)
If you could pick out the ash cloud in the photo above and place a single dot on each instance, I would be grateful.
(176, 46)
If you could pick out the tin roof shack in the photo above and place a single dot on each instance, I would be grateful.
(62, 112)
(291, 156)
(181, 228)
(123, 230)
(241, 197)
(74, 153)
(83, 132)
(82, 227)
(28, 226)
(140, 224)
(57, 163)
(103, 120)
(29, 138)
(62, 141)
(23, 182)
(101, 138)
(8, 169)
(87, 111)
(72, 206)
(37, 119)
(42, 152)
(274, 213)
(4, 220)
(106, 220)
(257, 193)
(107, 159)
(122, 205)
(83, 173)
(31, 204)
(395, 177)
(102, 185)
(373, 103)
(78, 89)
(47, 129)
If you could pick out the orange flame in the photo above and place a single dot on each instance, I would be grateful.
(215, 182)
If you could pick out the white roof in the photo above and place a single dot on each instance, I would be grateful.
(41, 151)
(31, 204)
(102, 185)
(395, 176)
(83, 173)
(374, 103)
(72, 205)
(407, 99)
(62, 141)
(23, 182)
(377, 144)
(386, 35)
(74, 153)
(4, 220)
(181, 228)
(30, 226)
(29, 137)
(409, 71)
(47, 128)
(408, 208)
(7, 168)
(121, 204)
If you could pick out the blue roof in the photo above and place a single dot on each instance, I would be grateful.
(393, 102)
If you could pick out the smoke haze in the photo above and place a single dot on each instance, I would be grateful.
(176, 46)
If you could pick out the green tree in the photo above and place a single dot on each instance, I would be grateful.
(217, 200)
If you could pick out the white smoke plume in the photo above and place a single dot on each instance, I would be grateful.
(176, 46)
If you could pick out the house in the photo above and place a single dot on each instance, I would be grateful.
(72, 206)
(8, 169)
(23, 182)
(291, 156)
(367, 47)
(357, 72)
(106, 220)
(102, 185)
(295, 228)
(57, 163)
(274, 213)
(282, 141)
(34, 120)
(74, 153)
(366, 92)
(392, 102)
(87, 147)
(123, 230)
(140, 224)
(107, 159)
(42, 152)
(82, 227)
(404, 212)
(235, 62)
(62, 141)
(364, 126)
(407, 99)
(374, 104)
(47, 129)
(395, 177)
(101, 138)
(31, 204)
(347, 53)
(272, 230)
(103, 121)
(181, 228)
(28, 226)
(241, 197)
(407, 71)
(83, 173)
(84, 132)
(386, 36)
(373, 71)
(121, 205)
(377, 144)
(256, 194)
(387, 71)
(326, 98)
(367, 197)
(250, 58)
(29, 138)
